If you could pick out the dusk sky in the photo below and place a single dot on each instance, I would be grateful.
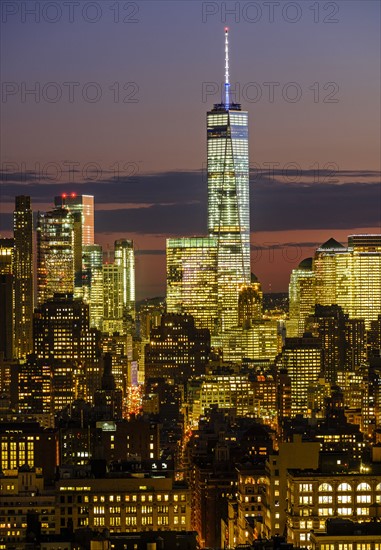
(132, 122)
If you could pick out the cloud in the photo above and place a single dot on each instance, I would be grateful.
(175, 203)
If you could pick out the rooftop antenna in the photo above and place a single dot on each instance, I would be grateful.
(227, 83)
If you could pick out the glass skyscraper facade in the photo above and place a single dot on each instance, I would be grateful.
(228, 204)
(192, 279)
(55, 253)
(125, 257)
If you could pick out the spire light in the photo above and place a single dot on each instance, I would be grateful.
(227, 79)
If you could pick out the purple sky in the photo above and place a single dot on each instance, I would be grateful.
(146, 155)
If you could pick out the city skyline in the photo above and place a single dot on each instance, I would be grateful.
(291, 177)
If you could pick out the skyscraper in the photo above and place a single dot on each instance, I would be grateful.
(350, 276)
(301, 293)
(55, 253)
(192, 279)
(64, 341)
(6, 299)
(125, 257)
(93, 282)
(113, 318)
(228, 198)
(23, 276)
(303, 359)
(81, 208)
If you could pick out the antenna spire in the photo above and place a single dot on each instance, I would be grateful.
(227, 82)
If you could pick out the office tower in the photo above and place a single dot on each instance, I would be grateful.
(301, 294)
(328, 324)
(6, 298)
(177, 348)
(55, 253)
(81, 208)
(35, 388)
(374, 338)
(226, 391)
(356, 342)
(260, 340)
(93, 282)
(192, 279)
(125, 257)
(64, 340)
(365, 253)
(350, 277)
(326, 267)
(303, 359)
(83, 205)
(113, 305)
(250, 303)
(6, 316)
(23, 276)
(228, 198)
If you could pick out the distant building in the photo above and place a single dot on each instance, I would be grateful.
(302, 297)
(6, 299)
(250, 303)
(81, 208)
(303, 360)
(23, 276)
(350, 277)
(55, 253)
(192, 279)
(64, 340)
(177, 349)
(125, 257)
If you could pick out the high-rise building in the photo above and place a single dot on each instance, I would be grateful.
(301, 297)
(228, 198)
(23, 276)
(35, 387)
(6, 298)
(350, 276)
(250, 303)
(365, 251)
(192, 279)
(177, 349)
(113, 307)
(125, 257)
(303, 359)
(328, 324)
(81, 208)
(55, 253)
(93, 282)
(327, 273)
(64, 340)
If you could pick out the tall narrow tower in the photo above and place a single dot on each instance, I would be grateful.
(23, 276)
(81, 208)
(125, 257)
(55, 253)
(228, 198)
